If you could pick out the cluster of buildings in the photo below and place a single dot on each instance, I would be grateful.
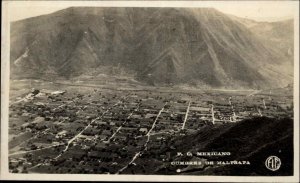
(104, 131)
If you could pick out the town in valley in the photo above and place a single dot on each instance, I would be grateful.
(58, 128)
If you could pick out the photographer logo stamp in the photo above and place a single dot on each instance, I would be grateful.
(273, 163)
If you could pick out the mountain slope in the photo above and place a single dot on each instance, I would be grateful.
(256, 139)
(162, 46)
(276, 35)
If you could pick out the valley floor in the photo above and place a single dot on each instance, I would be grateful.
(64, 127)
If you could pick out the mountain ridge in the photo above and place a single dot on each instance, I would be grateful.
(204, 45)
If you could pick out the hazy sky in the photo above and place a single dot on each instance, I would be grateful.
(257, 10)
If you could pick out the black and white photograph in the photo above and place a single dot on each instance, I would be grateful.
(141, 90)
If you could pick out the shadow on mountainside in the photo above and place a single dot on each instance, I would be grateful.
(252, 140)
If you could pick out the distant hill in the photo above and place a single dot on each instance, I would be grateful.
(278, 36)
(157, 46)
(253, 140)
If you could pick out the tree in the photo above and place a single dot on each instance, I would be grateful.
(24, 170)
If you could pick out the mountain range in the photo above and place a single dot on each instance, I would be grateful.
(156, 46)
